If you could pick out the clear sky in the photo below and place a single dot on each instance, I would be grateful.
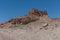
(13, 8)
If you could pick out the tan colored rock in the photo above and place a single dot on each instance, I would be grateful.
(33, 15)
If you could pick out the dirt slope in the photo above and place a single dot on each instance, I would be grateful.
(44, 28)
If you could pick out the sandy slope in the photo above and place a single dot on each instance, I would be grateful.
(33, 31)
(43, 29)
(36, 34)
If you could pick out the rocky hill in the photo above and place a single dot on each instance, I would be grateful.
(33, 15)
(36, 25)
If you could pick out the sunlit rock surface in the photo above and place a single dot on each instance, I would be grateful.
(36, 25)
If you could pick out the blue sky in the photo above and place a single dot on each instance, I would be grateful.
(13, 8)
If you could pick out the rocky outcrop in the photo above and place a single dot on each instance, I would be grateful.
(36, 25)
(33, 15)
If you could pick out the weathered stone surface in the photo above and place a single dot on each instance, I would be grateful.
(33, 15)
(23, 28)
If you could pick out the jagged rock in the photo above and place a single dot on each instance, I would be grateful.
(33, 15)
(37, 12)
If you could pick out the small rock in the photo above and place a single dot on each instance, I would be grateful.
(45, 25)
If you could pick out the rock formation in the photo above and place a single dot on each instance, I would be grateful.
(33, 15)
(36, 25)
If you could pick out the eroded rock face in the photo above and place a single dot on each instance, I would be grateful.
(37, 12)
(33, 15)
(43, 27)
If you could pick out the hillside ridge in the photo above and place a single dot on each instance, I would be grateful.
(33, 15)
